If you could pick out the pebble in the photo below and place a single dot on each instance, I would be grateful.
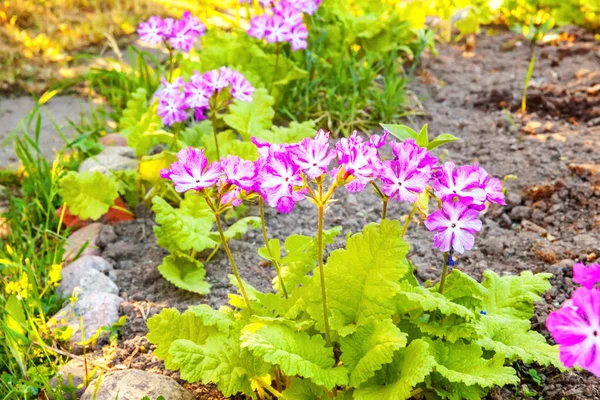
(586, 242)
(494, 246)
(95, 309)
(520, 212)
(513, 199)
(96, 262)
(134, 384)
(111, 159)
(78, 238)
(71, 376)
(107, 236)
(113, 139)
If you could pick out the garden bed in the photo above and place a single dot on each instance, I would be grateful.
(551, 220)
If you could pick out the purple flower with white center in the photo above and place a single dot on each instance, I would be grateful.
(277, 30)
(588, 277)
(402, 181)
(492, 187)
(152, 31)
(241, 89)
(360, 161)
(197, 93)
(233, 197)
(172, 108)
(576, 329)
(182, 37)
(277, 179)
(298, 36)
(193, 24)
(168, 28)
(456, 225)
(258, 26)
(313, 155)
(241, 173)
(463, 182)
(308, 6)
(169, 89)
(409, 149)
(290, 15)
(218, 79)
(379, 141)
(192, 171)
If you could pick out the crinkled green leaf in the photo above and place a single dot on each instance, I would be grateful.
(304, 389)
(413, 297)
(250, 119)
(180, 231)
(460, 288)
(88, 194)
(454, 391)
(362, 280)
(170, 325)
(223, 319)
(229, 144)
(462, 362)
(370, 347)
(292, 134)
(195, 135)
(139, 122)
(517, 341)
(184, 272)
(411, 366)
(240, 227)
(296, 353)
(219, 360)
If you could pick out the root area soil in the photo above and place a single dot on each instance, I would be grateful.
(552, 219)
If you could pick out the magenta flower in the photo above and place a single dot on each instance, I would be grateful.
(241, 89)
(402, 181)
(172, 108)
(169, 89)
(182, 37)
(463, 182)
(456, 225)
(492, 187)
(313, 155)
(168, 28)
(277, 179)
(588, 277)
(258, 26)
(193, 24)
(241, 173)
(218, 79)
(298, 36)
(409, 149)
(308, 6)
(192, 171)
(379, 141)
(360, 161)
(277, 30)
(233, 197)
(576, 329)
(290, 15)
(152, 31)
(197, 93)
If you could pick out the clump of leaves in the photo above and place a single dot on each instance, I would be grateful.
(391, 337)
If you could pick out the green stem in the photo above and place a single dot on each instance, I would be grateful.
(214, 124)
(171, 61)
(384, 208)
(408, 219)
(321, 209)
(232, 262)
(261, 205)
(267, 386)
(176, 134)
(277, 51)
(444, 273)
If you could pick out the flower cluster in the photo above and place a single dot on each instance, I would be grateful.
(174, 99)
(178, 34)
(283, 173)
(283, 21)
(576, 325)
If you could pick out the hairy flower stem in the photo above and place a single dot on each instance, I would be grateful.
(321, 208)
(384, 200)
(444, 273)
(277, 51)
(408, 219)
(213, 113)
(231, 261)
(171, 60)
(261, 204)
(384, 208)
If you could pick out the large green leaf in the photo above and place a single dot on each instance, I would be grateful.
(370, 347)
(185, 272)
(361, 280)
(251, 119)
(140, 122)
(296, 353)
(88, 194)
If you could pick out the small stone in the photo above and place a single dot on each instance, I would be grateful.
(586, 242)
(123, 151)
(520, 212)
(530, 226)
(513, 199)
(132, 384)
(78, 238)
(113, 139)
(71, 376)
(95, 309)
(494, 246)
(96, 262)
(86, 278)
(106, 162)
(107, 236)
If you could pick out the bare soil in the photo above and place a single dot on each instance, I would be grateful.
(552, 219)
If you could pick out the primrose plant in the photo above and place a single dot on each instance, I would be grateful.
(359, 324)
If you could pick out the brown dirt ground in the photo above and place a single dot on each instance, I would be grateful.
(552, 220)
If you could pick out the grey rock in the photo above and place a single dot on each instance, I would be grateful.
(96, 310)
(586, 242)
(107, 236)
(494, 246)
(72, 375)
(83, 276)
(134, 385)
(513, 199)
(123, 151)
(520, 212)
(78, 238)
(106, 162)
(96, 262)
